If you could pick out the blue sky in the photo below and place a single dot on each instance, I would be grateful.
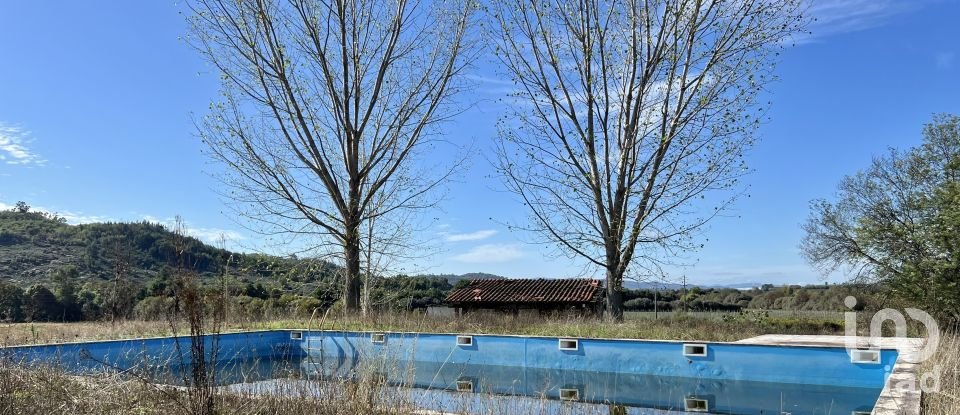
(97, 101)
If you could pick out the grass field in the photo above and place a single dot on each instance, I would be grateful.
(720, 315)
(675, 327)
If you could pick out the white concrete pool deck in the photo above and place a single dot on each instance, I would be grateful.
(900, 395)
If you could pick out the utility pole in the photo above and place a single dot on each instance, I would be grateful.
(656, 313)
(683, 299)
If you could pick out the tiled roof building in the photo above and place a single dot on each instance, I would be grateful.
(585, 295)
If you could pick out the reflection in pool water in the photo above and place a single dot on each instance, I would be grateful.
(491, 389)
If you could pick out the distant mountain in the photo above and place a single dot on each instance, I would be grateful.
(479, 276)
(647, 285)
(634, 285)
(741, 286)
(453, 279)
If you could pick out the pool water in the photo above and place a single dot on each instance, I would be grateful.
(611, 388)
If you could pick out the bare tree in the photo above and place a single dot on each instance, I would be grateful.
(385, 241)
(327, 105)
(628, 114)
(204, 312)
(121, 296)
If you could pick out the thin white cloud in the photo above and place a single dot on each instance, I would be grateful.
(13, 146)
(488, 80)
(471, 236)
(72, 218)
(75, 218)
(490, 253)
(210, 236)
(834, 17)
(945, 60)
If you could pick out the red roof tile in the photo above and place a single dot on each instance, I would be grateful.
(528, 291)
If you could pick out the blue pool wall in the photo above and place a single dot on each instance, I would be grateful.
(342, 351)
(124, 354)
(724, 361)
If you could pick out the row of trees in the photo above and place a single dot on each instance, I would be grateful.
(627, 114)
(67, 300)
(267, 299)
(767, 297)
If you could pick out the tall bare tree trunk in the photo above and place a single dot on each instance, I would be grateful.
(351, 254)
(327, 105)
(614, 280)
(631, 112)
(614, 296)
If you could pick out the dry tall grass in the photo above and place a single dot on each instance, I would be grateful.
(50, 391)
(47, 390)
(672, 328)
(946, 363)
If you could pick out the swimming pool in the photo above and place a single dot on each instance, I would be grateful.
(450, 372)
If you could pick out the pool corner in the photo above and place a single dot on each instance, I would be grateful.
(901, 393)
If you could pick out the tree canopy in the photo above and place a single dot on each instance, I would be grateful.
(630, 115)
(898, 222)
(326, 107)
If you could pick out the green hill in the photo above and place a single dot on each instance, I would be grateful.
(455, 279)
(34, 245)
(51, 270)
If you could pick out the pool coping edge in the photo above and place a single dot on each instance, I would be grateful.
(901, 394)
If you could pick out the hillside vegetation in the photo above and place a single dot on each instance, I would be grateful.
(33, 245)
(54, 271)
(111, 269)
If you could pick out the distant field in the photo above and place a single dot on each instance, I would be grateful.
(719, 315)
